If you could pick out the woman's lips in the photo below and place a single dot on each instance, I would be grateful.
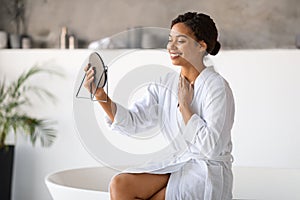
(175, 55)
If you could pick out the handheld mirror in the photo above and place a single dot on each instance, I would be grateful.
(100, 78)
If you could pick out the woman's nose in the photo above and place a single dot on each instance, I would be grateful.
(171, 45)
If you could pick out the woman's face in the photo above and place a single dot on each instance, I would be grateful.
(183, 46)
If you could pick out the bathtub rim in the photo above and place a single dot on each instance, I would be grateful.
(51, 183)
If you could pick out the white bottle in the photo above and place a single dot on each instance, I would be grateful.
(3, 39)
(64, 38)
(72, 42)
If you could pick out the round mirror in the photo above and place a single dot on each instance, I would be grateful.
(97, 63)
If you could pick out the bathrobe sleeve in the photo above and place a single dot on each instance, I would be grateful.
(210, 131)
(141, 116)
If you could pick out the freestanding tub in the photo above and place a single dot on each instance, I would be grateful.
(92, 183)
(80, 184)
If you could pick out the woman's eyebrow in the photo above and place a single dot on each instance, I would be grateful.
(179, 36)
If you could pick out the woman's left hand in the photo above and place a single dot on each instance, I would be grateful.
(185, 93)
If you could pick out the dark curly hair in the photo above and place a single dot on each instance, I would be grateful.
(203, 28)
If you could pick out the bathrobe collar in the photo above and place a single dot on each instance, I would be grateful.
(201, 78)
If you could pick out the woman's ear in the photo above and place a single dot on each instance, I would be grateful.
(202, 46)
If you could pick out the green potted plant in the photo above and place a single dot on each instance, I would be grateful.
(14, 98)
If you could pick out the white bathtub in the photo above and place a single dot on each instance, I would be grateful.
(92, 183)
(80, 184)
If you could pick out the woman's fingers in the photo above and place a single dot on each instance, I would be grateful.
(90, 70)
(90, 80)
(184, 83)
(89, 77)
(90, 73)
(185, 91)
(190, 87)
(181, 82)
(87, 83)
(86, 68)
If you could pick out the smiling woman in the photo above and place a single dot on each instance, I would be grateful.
(196, 121)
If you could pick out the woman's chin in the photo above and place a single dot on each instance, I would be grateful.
(176, 62)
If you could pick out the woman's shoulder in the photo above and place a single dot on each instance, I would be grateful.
(215, 84)
(214, 79)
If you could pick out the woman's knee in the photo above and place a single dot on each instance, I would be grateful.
(119, 186)
(142, 186)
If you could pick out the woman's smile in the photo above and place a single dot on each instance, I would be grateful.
(174, 55)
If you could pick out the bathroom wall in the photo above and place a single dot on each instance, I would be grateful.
(242, 23)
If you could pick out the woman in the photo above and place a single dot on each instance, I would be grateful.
(202, 113)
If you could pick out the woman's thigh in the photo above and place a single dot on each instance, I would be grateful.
(142, 185)
(160, 195)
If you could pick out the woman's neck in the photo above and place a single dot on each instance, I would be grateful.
(191, 73)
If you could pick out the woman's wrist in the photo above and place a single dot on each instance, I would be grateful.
(100, 93)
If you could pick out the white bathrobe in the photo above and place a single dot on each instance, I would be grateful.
(200, 163)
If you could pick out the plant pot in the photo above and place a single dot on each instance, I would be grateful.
(15, 41)
(6, 170)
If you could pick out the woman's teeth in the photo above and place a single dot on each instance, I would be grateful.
(175, 54)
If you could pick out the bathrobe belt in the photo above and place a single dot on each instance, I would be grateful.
(223, 158)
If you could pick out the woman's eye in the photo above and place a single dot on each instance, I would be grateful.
(181, 41)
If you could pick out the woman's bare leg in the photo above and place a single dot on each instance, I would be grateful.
(160, 195)
(137, 186)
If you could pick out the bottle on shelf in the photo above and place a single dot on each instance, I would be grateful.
(72, 42)
(63, 44)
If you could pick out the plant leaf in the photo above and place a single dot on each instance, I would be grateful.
(13, 98)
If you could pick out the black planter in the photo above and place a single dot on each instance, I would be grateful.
(6, 170)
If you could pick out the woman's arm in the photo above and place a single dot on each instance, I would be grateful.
(142, 115)
(109, 107)
(212, 129)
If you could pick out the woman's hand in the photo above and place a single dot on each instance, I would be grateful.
(109, 106)
(185, 97)
(89, 83)
(185, 92)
